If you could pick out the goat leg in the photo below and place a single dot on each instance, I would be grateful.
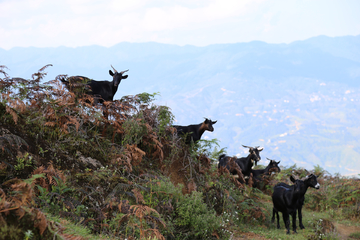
(293, 215)
(287, 222)
(300, 219)
(278, 219)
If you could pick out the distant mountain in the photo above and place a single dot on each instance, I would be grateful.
(300, 100)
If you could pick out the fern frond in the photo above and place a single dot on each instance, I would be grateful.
(12, 113)
(154, 233)
(2, 67)
(40, 74)
(138, 196)
(40, 220)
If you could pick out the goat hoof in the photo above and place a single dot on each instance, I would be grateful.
(302, 227)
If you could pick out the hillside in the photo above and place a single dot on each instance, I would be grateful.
(69, 172)
(297, 100)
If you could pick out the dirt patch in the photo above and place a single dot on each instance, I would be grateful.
(345, 231)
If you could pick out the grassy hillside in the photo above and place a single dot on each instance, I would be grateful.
(277, 96)
(68, 172)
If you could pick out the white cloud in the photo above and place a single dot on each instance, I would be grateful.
(198, 22)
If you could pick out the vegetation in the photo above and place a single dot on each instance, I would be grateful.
(68, 172)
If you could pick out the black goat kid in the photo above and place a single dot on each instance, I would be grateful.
(289, 199)
(245, 163)
(100, 90)
(195, 131)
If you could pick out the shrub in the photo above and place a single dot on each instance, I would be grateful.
(195, 218)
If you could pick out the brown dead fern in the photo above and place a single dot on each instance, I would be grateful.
(50, 174)
(143, 214)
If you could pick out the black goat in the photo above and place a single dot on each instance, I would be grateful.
(245, 163)
(259, 173)
(195, 131)
(100, 90)
(289, 199)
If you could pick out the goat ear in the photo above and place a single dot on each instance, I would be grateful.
(292, 179)
(260, 149)
(278, 162)
(214, 122)
(125, 77)
(111, 73)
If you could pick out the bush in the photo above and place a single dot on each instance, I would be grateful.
(194, 216)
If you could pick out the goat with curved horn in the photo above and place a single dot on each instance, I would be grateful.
(245, 163)
(100, 90)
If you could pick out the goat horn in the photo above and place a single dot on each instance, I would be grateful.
(114, 68)
(270, 159)
(124, 71)
(245, 146)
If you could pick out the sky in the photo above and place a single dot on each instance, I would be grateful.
(74, 23)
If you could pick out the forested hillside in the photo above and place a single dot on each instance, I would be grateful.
(74, 169)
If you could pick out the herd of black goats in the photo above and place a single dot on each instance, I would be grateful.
(287, 199)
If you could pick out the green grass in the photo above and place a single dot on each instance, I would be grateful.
(310, 221)
(72, 228)
(355, 235)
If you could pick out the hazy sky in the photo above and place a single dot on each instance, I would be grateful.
(72, 23)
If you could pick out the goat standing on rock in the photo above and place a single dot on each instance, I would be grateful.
(289, 199)
(100, 90)
(195, 131)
